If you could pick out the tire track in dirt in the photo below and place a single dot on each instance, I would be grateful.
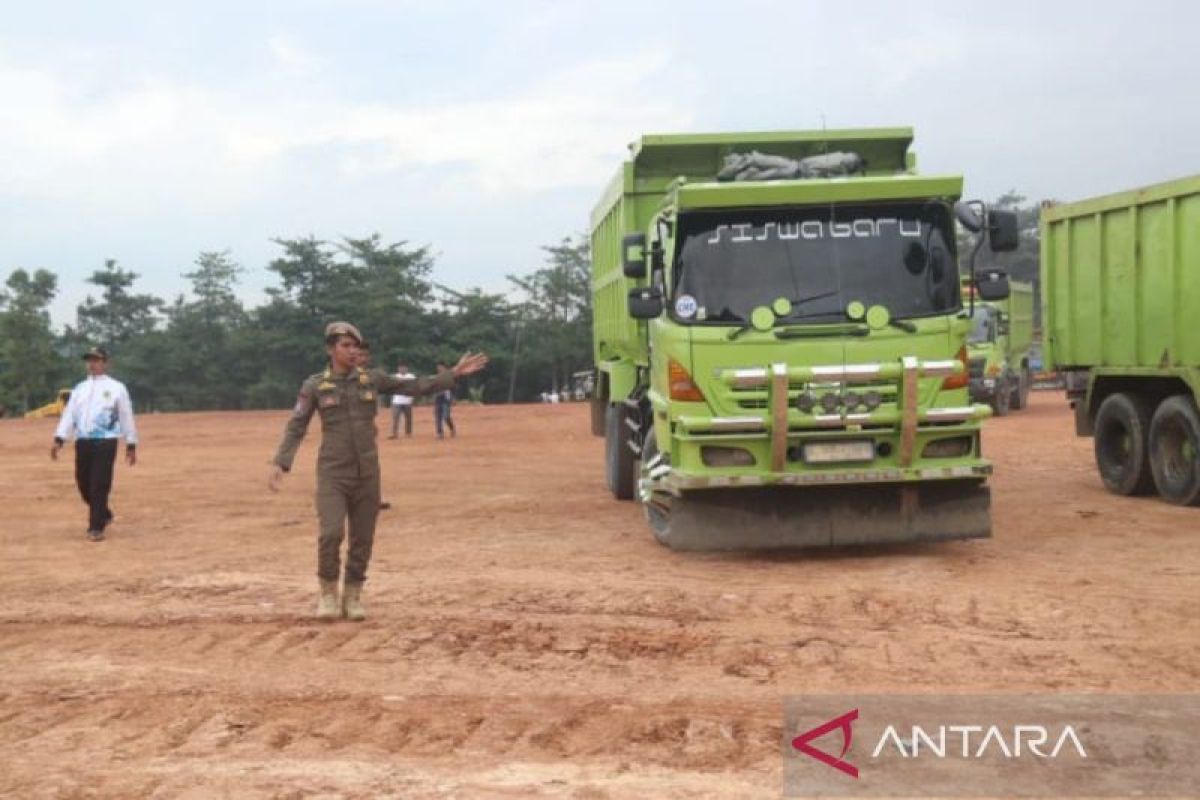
(166, 724)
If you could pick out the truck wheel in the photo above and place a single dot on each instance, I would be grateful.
(1020, 392)
(1002, 398)
(618, 457)
(1122, 454)
(1175, 450)
(598, 409)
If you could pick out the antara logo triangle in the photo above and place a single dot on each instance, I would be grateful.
(843, 723)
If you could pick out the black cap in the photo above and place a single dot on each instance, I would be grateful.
(96, 352)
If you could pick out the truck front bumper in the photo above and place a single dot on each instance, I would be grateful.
(896, 441)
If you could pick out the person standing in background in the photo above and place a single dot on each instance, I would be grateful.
(98, 413)
(443, 401)
(402, 404)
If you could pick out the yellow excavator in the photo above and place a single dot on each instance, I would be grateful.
(54, 408)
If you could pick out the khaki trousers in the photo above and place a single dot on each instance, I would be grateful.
(346, 505)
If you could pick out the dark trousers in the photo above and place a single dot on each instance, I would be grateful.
(441, 414)
(93, 475)
(402, 411)
(346, 506)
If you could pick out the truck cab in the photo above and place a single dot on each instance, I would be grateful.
(1000, 340)
(792, 334)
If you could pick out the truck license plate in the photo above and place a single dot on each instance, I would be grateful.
(833, 452)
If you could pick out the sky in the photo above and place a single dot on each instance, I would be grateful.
(149, 132)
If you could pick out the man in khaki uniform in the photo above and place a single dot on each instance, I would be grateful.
(345, 396)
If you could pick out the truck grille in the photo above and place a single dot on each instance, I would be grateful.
(976, 366)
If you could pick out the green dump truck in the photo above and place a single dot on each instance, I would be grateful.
(780, 341)
(999, 343)
(1121, 308)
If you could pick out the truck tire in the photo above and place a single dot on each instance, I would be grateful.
(1020, 392)
(1002, 397)
(598, 409)
(1175, 450)
(1122, 444)
(618, 456)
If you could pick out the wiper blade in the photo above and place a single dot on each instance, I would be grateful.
(903, 324)
(749, 326)
(736, 332)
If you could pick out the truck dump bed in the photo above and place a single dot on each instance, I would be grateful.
(1121, 279)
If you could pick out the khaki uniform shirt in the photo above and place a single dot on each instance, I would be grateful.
(347, 405)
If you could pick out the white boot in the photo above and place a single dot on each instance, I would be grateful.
(327, 604)
(352, 607)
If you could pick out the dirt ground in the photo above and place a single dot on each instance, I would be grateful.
(527, 636)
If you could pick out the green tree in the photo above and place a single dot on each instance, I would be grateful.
(388, 294)
(475, 321)
(555, 317)
(198, 360)
(119, 315)
(28, 361)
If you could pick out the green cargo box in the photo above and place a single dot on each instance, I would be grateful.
(1121, 303)
(1121, 279)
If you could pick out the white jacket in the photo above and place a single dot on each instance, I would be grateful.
(99, 408)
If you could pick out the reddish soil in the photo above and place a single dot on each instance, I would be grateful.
(527, 636)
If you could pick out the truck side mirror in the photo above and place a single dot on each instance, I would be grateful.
(634, 263)
(968, 216)
(645, 302)
(992, 285)
(1003, 234)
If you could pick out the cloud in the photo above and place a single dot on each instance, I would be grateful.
(291, 57)
(566, 130)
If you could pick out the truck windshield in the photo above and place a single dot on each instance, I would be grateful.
(899, 255)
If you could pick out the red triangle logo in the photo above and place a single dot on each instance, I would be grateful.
(842, 723)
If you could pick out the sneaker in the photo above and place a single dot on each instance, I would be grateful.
(95, 535)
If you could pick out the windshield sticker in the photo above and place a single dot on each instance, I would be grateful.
(862, 228)
(685, 306)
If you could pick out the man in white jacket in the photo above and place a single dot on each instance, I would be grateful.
(98, 413)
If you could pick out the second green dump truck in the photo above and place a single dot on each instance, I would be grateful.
(1000, 340)
(780, 341)
(1121, 313)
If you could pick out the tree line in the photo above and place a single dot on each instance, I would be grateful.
(205, 350)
